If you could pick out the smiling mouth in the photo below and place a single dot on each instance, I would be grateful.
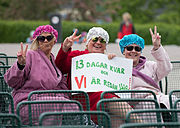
(97, 46)
(133, 55)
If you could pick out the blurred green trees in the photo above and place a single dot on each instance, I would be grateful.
(142, 11)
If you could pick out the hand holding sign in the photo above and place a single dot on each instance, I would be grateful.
(111, 56)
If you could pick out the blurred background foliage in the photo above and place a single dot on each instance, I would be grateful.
(142, 11)
(18, 31)
(19, 17)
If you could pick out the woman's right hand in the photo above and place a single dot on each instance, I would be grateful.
(21, 55)
(68, 42)
(156, 38)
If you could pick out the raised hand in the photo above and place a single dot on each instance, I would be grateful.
(68, 42)
(21, 55)
(156, 38)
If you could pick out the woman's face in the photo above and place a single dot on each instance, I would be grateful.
(126, 18)
(46, 42)
(96, 45)
(133, 51)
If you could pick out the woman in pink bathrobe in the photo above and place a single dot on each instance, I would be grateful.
(35, 69)
(147, 74)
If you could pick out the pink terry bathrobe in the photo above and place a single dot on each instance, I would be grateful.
(155, 71)
(39, 73)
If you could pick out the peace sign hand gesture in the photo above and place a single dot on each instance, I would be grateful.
(68, 42)
(21, 55)
(156, 38)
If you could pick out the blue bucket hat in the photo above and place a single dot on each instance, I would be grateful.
(131, 39)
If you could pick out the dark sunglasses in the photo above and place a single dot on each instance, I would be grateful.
(137, 48)
(42, 38)
(95, 39)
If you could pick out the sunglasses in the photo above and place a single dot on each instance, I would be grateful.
(137, 48)
(95, 39)
(42, 38)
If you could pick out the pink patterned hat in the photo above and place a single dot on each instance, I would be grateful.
(45, 28)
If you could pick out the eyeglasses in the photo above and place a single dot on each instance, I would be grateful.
(137, 48)
(42, 38)
(95, 39)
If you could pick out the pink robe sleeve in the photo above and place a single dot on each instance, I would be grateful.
(15, 77)
(163, 65)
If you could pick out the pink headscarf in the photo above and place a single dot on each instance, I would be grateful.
(45, 28)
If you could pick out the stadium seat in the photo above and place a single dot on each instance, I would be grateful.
(4, 86)
(173, 96)
(8, 120)
(2, 63)
(81, 119)
(6, 103)
(3, 69)
(177, 104)
(172, 79)
(80, 96)
(3, 54)
(153, 115)
(29, 111)
(151, 125)
(8, 60)
(118, 108)
(126, 94)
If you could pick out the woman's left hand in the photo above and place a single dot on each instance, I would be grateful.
(111, 56)
(156, 38)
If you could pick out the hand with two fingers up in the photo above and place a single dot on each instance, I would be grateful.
(156, 38)
(68, 42)
(21, 55)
